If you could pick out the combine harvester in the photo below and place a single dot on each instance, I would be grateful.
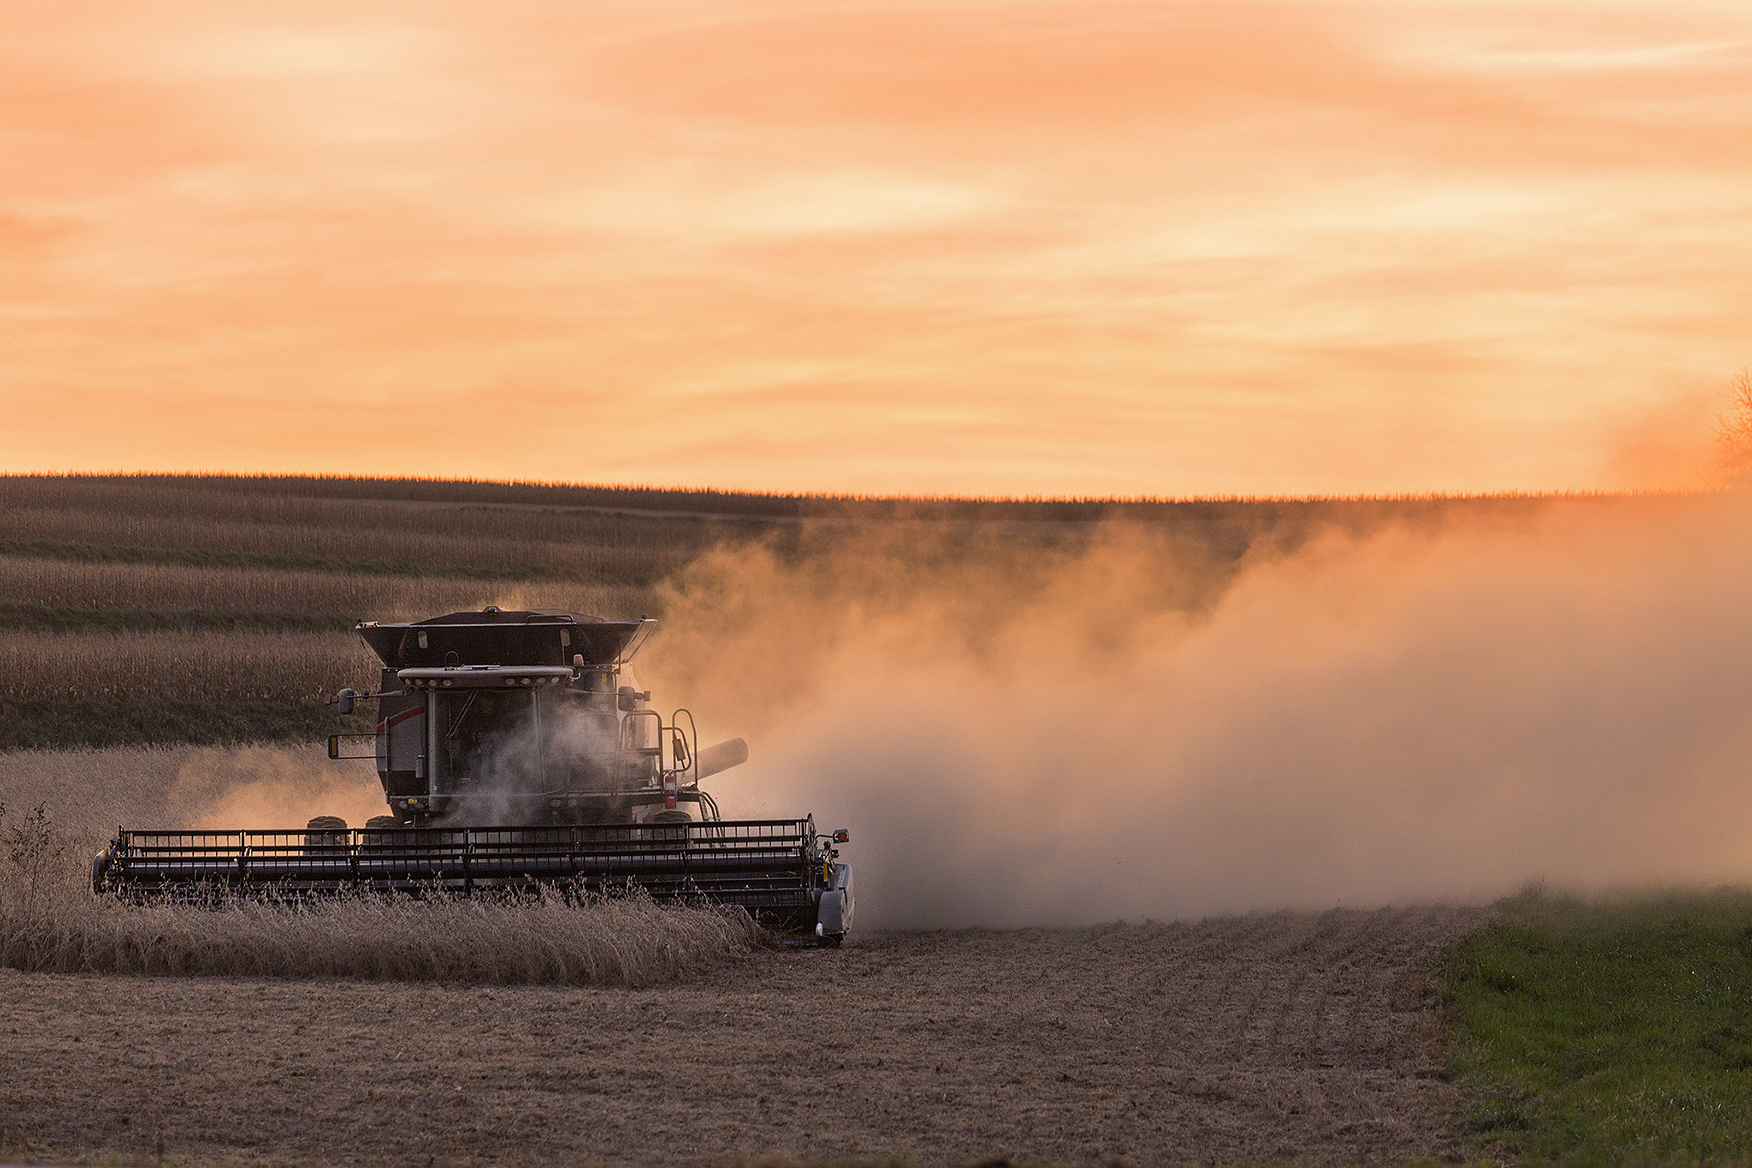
(515, 751)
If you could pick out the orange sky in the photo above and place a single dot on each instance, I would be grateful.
(1088, 248)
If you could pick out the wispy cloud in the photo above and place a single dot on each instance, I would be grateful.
(1030, 247)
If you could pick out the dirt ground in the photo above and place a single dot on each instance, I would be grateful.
(1238, 1039)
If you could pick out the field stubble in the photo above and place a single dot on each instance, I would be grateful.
(1251, 1039)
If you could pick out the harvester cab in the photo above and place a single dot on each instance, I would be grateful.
(514, 749)
(529, 718)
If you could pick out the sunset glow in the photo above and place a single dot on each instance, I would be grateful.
(1020, 248)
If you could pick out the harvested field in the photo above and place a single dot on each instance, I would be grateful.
(1236, 1039)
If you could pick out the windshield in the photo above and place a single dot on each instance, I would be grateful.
(526, 742)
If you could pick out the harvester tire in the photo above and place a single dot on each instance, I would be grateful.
(830, 940)
(379, 821)
(326, 831)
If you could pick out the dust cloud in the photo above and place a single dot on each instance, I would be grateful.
(269, 787)
(89, 793)
(1112, 729)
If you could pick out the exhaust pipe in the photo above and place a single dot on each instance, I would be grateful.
(722, 757)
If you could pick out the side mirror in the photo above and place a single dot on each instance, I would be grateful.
(629, 698)
(344, 699)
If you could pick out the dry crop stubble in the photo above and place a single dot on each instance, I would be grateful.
(1101, 1045)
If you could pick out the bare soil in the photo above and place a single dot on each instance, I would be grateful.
(1287, 1036)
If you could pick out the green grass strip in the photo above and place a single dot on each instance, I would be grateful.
(1609, 1033)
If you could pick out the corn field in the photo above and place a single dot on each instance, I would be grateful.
(65, 588)
(218, 610)
(500, 547)
(288, 667)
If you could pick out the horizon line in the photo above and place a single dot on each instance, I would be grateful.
(856, 497)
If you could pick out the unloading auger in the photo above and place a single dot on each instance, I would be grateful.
(516, 750)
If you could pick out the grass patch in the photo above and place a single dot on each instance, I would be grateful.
(1609, 1032)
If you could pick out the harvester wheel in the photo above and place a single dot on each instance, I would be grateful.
(830, 940)
(666, 828)
(377, 821)
(326, 831)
